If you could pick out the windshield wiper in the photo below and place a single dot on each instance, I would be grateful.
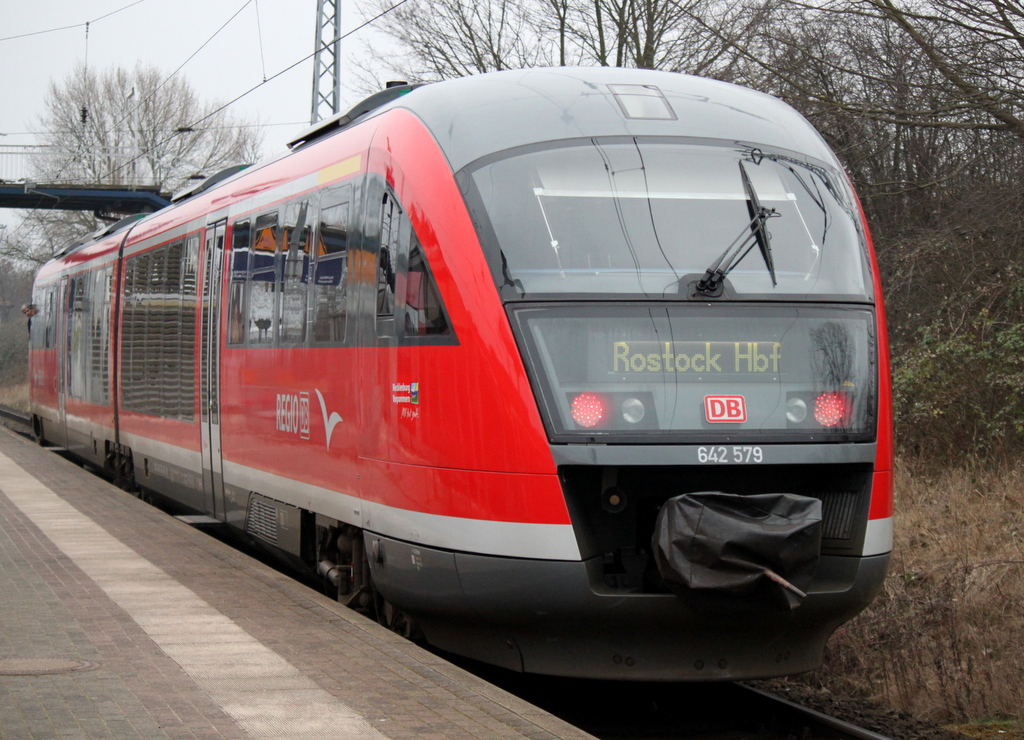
(753, 233)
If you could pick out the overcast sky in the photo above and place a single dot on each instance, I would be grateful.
(165, 33)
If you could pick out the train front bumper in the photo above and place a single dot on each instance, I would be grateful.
(556, 617)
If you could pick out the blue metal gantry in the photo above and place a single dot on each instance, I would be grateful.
(106, 201)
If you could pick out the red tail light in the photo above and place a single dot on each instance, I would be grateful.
(831, 409)
(588, 410)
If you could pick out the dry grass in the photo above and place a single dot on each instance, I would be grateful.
(15, 396)
(945, 639)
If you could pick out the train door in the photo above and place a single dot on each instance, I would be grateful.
(63, 342)
(209, 371)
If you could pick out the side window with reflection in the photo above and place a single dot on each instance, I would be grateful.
(406, 289)
(79, 305)
(330, 283)
(390, 226)
(37, 322)
(420, 299)
(239, 275)
(50, 311)
(263, 289)
(295, 282)
(158, 331)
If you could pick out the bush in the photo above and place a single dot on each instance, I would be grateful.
(959, 392)
(13, 353)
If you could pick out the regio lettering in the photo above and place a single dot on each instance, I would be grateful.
(292, 414)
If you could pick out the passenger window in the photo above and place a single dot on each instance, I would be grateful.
(239, 275)
(421, 301)
(390, 226)
(78, 308)
(406, 289)
(263, 283)
(37, 322)
(158, 331)
(295, 291)
(98, 373)
(331, 280)
(51, 318)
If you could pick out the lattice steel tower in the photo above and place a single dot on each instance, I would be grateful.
(327, 60)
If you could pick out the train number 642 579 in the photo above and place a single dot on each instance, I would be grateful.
(734, 454)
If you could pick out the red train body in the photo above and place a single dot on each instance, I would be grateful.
(457, 351)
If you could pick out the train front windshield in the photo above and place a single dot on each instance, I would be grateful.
(786, 352)
(647, 217)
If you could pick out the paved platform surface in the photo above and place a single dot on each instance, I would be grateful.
(152, 629)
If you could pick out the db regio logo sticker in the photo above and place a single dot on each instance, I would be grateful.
(725, 409)
(293, 414)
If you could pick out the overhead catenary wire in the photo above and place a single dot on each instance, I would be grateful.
(259, 32)
(155, 90)
(163, 131)
(252, 89)
(73, 25)
(190, 57)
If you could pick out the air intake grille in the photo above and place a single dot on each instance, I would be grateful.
(838, 510)
(262, 520)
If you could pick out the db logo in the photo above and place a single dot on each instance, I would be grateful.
(730, 409)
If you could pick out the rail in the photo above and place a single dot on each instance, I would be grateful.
(14, 415)
(819, 724)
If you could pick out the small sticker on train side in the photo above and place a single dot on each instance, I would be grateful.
(405, 393)
(725, 409)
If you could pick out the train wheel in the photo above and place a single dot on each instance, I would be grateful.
(395, 619)
(37, 430)
(124, 473)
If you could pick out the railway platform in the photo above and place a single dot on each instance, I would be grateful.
(119, 621)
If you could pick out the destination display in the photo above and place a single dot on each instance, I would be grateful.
(776, 372)
(696, 357)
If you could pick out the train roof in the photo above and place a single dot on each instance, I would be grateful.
(472, 117)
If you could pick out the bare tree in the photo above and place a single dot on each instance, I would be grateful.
(124, 127)
(976, 46)
(454, 38)
(42, 232)
(677, 35)
(135, 127)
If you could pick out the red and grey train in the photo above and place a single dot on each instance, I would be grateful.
(574, 371)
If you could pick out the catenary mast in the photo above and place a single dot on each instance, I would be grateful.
(327, 61)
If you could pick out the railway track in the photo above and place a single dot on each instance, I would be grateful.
(615, 710)
(646, 711)
(8, 414)
(813, 724)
